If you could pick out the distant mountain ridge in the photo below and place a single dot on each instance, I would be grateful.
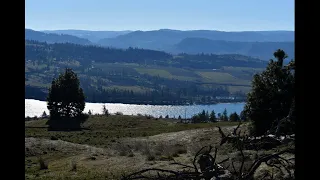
(93, 36)
(175, 41)
(260, 44)
(165, 36)
(261, 50)
(54, 38)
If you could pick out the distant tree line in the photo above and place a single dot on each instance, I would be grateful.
(205, 116)
(85, 54)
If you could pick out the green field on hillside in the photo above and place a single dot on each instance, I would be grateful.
(227, 75)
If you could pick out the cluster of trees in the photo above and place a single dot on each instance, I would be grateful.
(204, 116)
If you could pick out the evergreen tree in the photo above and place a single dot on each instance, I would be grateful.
(243, 116)
(44, 114)
(105, 110)
(196, 118)
(272, 94)
(234, 117)
(65, 99)
(213, 116)
(224, 115)
(202, 116)
(207, 117)
(219, 116)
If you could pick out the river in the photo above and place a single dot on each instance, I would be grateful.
(36, 108)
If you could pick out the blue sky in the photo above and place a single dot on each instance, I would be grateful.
(225, 15)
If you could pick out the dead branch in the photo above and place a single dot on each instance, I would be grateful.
(235, 129)
(225, 160)
(258, 162)
(208, 167)
(185, 166)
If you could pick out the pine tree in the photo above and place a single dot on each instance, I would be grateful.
(105, 110)
(271, 96)
(44, 114)
(65, 99)
(213, 116)
(207, 117)
(224, 115)
(234, 117)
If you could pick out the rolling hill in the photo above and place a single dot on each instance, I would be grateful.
(205, 41)
(260, 44)
(261, 50)
(139, 75)
(93, 36)
(54, 38)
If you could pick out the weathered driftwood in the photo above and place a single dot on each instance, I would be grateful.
(254, 143)
(205, 166)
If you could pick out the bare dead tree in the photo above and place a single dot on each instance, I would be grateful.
(205, 166)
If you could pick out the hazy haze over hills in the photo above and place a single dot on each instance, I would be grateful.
(54, 38)
(261, 50)
(93, 36)
(259, 44)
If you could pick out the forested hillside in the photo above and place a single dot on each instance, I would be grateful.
(139, 75)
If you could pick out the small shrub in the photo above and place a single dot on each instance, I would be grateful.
(138, 145)
(43, 165)
(73, 166)
(175, 155)
(119, 113)
(123, 153)
(149, 116)
(123, 149)
(166, 158)
(182, 151)
(160, 148)
(151, 157)
(131, 155)
(105, 110)
(54, 138)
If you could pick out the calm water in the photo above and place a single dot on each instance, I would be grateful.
(36, 108)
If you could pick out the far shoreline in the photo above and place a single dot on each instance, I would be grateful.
(157, 104)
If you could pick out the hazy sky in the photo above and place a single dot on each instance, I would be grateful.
(225, 15)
